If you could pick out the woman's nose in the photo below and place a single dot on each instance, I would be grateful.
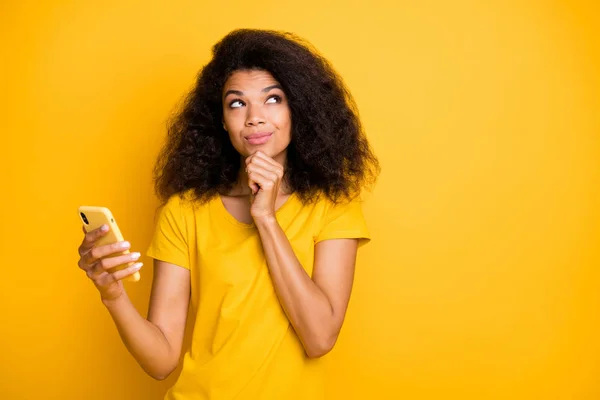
(255, 116)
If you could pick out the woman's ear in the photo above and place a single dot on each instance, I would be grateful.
(224, 127)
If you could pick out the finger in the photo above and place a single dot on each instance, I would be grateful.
(112, 262)
(260, 171)
(259, 164)
(100, 267)
(265, 164)
(91, 237)
(124, 273)
(93, 271)
(258, 156)
(82, 265)
(262, 156)
(253, 185)
(248, 159)
(271, 162)
(99, 252)
(265, 183)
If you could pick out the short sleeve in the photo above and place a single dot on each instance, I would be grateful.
(169, 241)
(345, 221)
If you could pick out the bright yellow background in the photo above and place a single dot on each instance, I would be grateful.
(482, 279)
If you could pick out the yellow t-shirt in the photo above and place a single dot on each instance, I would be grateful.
(243, 345)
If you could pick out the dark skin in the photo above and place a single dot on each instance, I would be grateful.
(254, 103)
(316, 306)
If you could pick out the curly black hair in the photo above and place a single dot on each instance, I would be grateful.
(328, 153)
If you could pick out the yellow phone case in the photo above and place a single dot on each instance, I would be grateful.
(94, 217)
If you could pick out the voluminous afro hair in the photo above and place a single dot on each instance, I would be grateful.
(328, 153)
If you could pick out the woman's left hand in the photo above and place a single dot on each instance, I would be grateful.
(264, 179)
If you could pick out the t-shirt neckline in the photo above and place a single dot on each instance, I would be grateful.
(223, 211)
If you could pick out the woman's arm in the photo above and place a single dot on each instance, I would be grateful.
(156, 342)
(315, 307)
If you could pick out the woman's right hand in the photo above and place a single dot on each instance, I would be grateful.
(96, 261)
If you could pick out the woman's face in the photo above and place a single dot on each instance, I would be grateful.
(256, 114)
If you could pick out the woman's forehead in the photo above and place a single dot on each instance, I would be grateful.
(250, 79)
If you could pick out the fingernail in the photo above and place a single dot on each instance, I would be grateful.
(103, 228)
(135, 255)
(137, 266)
(124, 245)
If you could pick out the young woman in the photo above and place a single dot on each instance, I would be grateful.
(261, 220)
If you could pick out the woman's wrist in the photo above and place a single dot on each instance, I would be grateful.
(112, 302)
(265, 220)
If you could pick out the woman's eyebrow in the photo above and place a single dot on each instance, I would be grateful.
(272, 87)
(240, 93)
(236, 92)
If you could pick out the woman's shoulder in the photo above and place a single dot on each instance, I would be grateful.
(324, 205)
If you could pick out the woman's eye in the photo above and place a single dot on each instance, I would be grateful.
(236, 104)
(274, 99)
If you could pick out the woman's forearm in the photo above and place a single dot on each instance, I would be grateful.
(306, 305)
(144, 340)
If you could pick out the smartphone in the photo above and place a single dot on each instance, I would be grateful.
(93, 218)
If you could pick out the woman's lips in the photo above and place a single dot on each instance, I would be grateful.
(259, 138)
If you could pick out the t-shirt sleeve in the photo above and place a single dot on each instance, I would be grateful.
(345, 221)
(169, 241)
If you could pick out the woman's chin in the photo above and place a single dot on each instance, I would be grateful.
(263, 148)
(276, 154)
